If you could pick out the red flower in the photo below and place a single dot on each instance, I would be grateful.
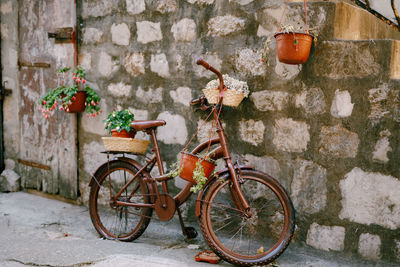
(83, 81)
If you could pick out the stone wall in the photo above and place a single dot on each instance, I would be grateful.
(327, 130)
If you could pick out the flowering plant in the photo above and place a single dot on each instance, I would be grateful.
(119, 120)
(231, 84)
(63, 96)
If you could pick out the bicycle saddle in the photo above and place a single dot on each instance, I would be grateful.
(143, 125)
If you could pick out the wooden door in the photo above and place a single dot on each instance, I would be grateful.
(48, 152)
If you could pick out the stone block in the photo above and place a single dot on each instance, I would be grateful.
(91, 35)
(150, 96)
(286, 71)
(308, 189)
(270, 100)
(382, 147)
(290, 135)
(9, 164)
(166, 6)
(99, 8)
(184, 30)
(336, 141)
(242, 2)
(135, 6)
(148, 31)
(249, 61)
(134, 64)
(312, 100)
(224, 25)
(252, 131)
(182, 95)
(378, 104)
(201, 2)
(159, 65)
(326, 237)
(265, 164)
(369, 246)
(119, 89)
(341, 105)
(10, 181)
(343, 59)
(120, 34)
(175, 131)
(105, 65)
(370, 198)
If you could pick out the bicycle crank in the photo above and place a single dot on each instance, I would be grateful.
(165, 207)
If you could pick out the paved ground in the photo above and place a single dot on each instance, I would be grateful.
(37, 231)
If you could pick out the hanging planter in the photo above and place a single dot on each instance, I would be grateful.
(195, 169)
(293, 47)
(74, 98)
(77, 104)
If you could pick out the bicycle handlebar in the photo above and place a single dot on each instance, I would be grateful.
(210, 68)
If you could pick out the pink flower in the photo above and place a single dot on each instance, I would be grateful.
(77, 80)
(47, 116)
(88, 115)
(44, 102)
(83, 81)
(73, 98)
(93, 115)
(40, 108)
(67, 109)
(74, 78)
(85, 104)
(61, 108)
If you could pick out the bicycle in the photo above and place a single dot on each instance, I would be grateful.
(246, 216)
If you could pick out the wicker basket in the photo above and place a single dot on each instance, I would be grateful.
(231, 97)
(125, 144)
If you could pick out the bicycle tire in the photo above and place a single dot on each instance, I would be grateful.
(115, 222)
(266, 234)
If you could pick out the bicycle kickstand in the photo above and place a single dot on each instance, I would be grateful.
(189, 232)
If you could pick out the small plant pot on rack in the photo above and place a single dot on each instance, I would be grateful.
(123, 133)
(232, 98)
(119, 144)
(188, 165)
(293, 47)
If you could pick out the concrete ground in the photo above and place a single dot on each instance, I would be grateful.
(38, 231)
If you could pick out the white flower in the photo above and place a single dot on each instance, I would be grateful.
(231, 84)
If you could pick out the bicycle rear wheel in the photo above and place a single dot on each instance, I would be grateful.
(247, 241)
(114, 221)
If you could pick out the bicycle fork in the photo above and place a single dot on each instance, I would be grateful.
(236, 192)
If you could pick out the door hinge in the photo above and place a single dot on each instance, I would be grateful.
(63, 35)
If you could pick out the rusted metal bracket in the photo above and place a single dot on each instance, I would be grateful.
(33, 64)
(3, 91)
(34, 164)
(63, 35)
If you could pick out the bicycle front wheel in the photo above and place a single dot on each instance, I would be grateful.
(243, 240)
(112, 221)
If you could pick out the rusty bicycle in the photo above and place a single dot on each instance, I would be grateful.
(246, 216)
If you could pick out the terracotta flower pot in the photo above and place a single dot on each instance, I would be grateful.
(293, 47)
(188, 164)
(78, 105)
(123, 133)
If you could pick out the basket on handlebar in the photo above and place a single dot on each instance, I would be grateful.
(231, 98)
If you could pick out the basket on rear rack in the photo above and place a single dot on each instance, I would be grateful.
(125, 144)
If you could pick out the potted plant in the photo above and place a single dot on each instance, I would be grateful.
(76, 98)
(235, 91)
(118, 123)
(293, 47)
